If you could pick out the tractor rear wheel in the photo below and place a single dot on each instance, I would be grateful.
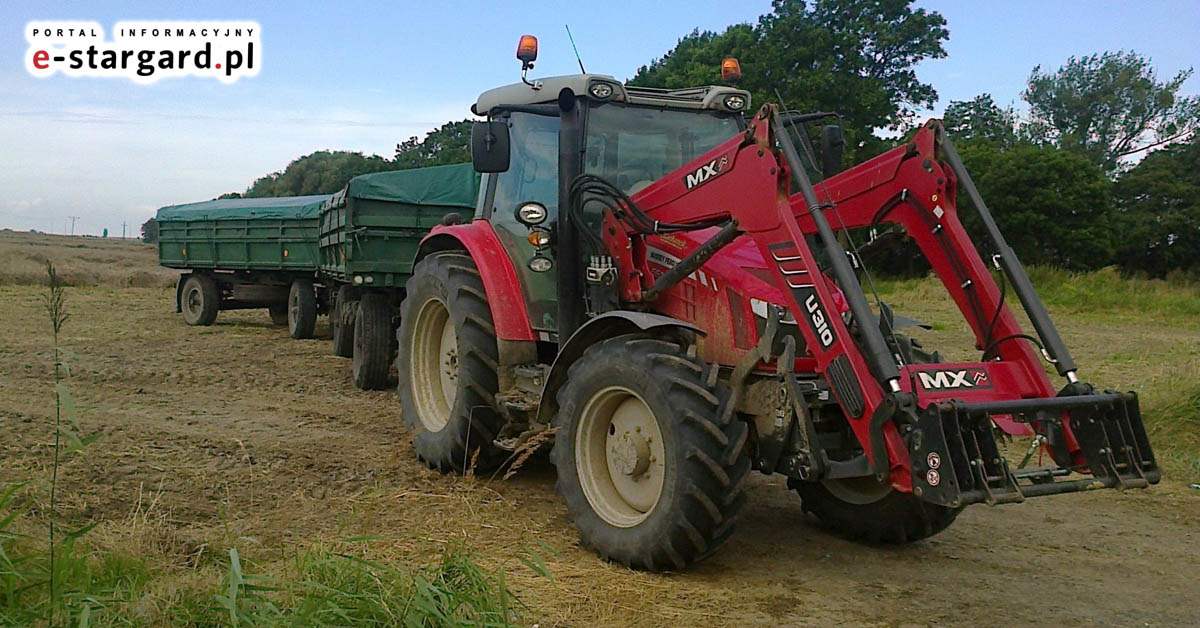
(373, 341)
(200, 300)
(279, 314)
(651, 477)
(341, 321)
(864, 509)
(302, 309)
(447, 362)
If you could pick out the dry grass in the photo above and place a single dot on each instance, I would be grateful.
(81, 261)
(238, 437)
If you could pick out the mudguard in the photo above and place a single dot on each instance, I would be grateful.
(606, 325)
(500, 280)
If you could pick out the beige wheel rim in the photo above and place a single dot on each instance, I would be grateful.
(193, 301)
(433, 365)
(294, 306)
(620, 457)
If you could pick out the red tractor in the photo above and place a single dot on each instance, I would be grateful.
(652, 276)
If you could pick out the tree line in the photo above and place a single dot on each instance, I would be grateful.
(1101, 165)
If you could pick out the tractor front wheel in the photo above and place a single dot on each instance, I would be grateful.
(864, 509)
(651, 476)
(447, 361)
(302, 309)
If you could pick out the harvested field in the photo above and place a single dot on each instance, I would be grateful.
(238, 436)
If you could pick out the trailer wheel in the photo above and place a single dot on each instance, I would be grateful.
(341, 321)
(200, 300)
(279, 314)
(373, 341)
(447, 362)
(651, 477)
(302, 309)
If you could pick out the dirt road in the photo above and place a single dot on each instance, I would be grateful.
(254, 439)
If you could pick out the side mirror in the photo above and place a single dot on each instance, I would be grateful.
(489, 146)
(832, 145)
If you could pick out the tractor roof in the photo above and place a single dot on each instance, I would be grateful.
(546, 90)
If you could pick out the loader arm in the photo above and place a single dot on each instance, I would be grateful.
(749, 179)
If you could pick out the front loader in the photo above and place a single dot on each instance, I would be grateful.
(653, 280)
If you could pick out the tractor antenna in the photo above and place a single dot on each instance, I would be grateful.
(569, 36)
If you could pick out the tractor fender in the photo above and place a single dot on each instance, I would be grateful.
(606, 325)
(500, 281)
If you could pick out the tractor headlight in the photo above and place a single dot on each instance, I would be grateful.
(601, 91)
(530, 214)
(735, 102)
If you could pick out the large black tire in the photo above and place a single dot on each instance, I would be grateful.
(862, 509)
(302, 309)
(702, 471)
(373, 341)
(279, 314)
(200, 300)
(341, 321)
(447, 362)
(892, 517)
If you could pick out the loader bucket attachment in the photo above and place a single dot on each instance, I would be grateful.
(956, 461)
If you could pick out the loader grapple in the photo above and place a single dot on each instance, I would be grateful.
(956, 460)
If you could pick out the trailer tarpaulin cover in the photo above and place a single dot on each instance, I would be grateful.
(455, 185)
(246, 208)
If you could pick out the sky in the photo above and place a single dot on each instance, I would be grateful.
(108, 151)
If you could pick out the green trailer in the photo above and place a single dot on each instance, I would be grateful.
(246, 253)
(369, 234)
(370, 229)
(347, 254)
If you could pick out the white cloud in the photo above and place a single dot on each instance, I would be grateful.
(113, 164)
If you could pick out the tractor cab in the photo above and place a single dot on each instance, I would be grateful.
(541, 134)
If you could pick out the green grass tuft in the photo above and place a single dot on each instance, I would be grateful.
(320, 586)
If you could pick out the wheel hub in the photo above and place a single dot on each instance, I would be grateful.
(629, 453)
(620, 456)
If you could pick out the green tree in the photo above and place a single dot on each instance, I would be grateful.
(1108, 106)
(322, 172)
(1158, 211)
(855, 57)
(150, 231)
(980, 119)
(1053, 206)
(447, 144)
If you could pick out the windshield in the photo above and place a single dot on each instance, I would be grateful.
(634, 146)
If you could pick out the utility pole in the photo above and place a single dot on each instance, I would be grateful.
(122, 229)
(73, 219)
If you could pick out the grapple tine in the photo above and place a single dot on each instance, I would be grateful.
(956, 461)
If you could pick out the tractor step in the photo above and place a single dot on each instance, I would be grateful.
(955, 459)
